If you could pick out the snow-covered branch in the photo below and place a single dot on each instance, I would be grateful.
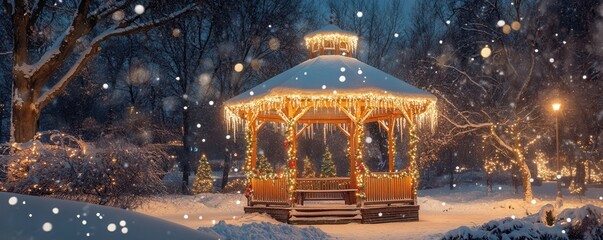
(499, 140)
(93, 48)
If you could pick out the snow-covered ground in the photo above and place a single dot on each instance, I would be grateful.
(29, 217)
(200, 216)
(441, 210)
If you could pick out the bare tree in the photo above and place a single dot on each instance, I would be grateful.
(70, 44)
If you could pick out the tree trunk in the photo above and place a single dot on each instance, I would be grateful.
(524, 170)
(25, 114)
(185, 162)
(226, 172)
(489, 182)
(580, 179)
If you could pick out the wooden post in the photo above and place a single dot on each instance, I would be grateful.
(413, 150)
(352, 153)
(252, 127)
(391, 143)
(291, 118)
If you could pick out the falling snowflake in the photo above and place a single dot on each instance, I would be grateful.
(139, 9)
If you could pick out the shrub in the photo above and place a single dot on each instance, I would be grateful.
(114, 173)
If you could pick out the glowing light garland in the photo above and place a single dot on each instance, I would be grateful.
(334, 39)
(423, 108)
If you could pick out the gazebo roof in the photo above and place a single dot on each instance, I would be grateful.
(326, 80)
(330, 29)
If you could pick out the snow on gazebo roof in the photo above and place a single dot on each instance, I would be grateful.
(328, 82)
(329, 78)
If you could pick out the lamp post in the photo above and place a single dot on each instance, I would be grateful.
(556, 108)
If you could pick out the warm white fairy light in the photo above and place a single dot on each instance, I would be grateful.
(486, 52)
(238, 67)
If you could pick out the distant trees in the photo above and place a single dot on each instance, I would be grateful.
(42, 44)
(498, 68)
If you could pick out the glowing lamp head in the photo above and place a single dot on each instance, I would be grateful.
(556, 106)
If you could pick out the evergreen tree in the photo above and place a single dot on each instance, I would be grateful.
(203, 181)
(327, 168)
(308, 171)
(263, 166)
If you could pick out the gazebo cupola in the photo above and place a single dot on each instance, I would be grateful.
(331, 40)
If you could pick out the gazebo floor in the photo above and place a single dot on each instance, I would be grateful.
(332, 213)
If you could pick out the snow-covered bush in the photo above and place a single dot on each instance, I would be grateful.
(114, 173)
(578, 223)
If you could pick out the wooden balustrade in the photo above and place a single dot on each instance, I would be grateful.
(269, 191)
(388, 190)
(333, 183)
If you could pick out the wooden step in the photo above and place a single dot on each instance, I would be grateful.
(297, 213)
(326, 208)
(324, 220)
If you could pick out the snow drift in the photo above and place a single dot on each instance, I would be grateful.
(29, 217)
(265, 231)
(576, 223)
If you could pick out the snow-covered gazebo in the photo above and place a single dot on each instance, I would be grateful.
(335, 89)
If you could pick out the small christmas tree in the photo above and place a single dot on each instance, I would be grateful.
(308, 171)
(203, 181)
(263, 166)
(327, 168)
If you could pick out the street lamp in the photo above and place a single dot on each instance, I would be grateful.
(556, 108)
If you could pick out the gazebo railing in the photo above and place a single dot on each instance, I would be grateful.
(384, 190)
(332, 183)
(269, 191)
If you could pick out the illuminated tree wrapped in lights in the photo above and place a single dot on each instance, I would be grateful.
(308, 171)
(264, 167)
(327, 168)
(203, 181)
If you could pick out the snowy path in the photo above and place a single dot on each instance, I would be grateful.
(468, 205)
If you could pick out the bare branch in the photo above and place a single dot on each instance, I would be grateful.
(86, 55)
